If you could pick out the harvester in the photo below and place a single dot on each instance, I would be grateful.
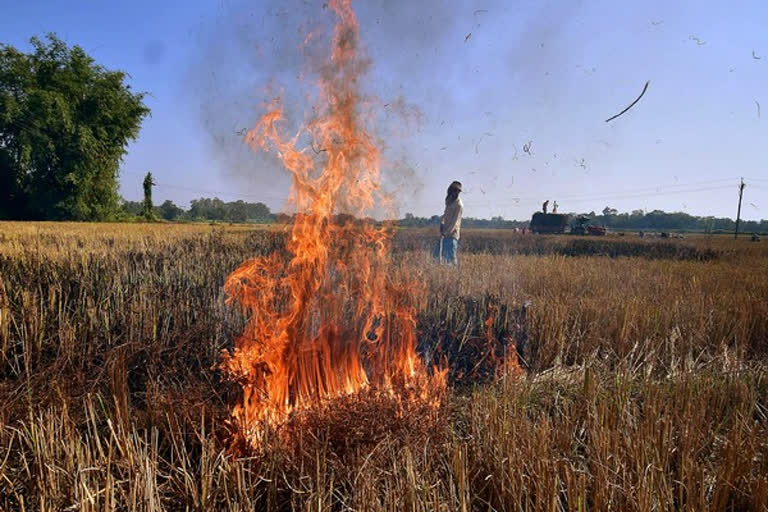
(582, 226)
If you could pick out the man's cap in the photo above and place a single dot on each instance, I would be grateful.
(456, 185)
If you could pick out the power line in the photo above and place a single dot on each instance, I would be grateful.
(654, 194)
(656, 189)
(629, 194)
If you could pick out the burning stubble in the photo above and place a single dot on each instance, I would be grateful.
(335, 317)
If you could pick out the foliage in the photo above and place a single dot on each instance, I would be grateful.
(658, 220)
(235, 211)
(133, 208)
(65, 122)
(147, 209)
(214, 210)
(169, 211)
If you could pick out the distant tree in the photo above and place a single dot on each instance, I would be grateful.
(236, 211)
(169, 211)
(132, 207)
(64, 125)
(148, 211)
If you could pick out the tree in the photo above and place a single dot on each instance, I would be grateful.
(169, 211)
(65, 122)
(147, 208)
(132, 207)
(236, 211)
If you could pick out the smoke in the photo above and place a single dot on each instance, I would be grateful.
(440, 75)
(248, 55)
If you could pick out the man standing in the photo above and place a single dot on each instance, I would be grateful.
(450, 226)
(544, 206)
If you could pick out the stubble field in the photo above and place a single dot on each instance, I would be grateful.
(641, 382)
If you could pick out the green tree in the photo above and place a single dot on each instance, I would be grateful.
(169, 211)
(65, 122)
(147, 209)
(132, 207)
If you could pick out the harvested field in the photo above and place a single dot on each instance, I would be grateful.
(643, 382)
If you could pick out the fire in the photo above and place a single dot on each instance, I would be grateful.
(333, 316)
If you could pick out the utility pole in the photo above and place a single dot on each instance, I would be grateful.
(738, 213)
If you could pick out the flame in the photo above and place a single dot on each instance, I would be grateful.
(508, 363)
(332, 315)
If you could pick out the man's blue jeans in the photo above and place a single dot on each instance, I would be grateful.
(450, 250)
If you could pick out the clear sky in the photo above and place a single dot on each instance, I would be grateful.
(483, 80)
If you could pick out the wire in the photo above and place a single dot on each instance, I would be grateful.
(628, 194)
(655, 189)
(635, 196)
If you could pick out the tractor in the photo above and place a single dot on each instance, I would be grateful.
(581, 226)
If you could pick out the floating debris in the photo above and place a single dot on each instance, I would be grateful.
(468, 36)
(698, 41)
(527, 147)
(758, 107)
(631, 104)
(755, 56)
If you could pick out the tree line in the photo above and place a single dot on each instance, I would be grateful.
(658, 220)
(637, 220)
(203, 209)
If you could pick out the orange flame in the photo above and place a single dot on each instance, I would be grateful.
(336, 316)
(509, 363)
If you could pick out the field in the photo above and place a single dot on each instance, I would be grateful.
(641, 384)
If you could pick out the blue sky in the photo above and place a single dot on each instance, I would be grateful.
(532, 72)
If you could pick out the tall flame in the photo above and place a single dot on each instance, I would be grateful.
(335, 316)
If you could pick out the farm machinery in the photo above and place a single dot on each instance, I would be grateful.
(549, 223)
(581, 226)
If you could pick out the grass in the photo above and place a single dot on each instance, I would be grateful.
(644, 385)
